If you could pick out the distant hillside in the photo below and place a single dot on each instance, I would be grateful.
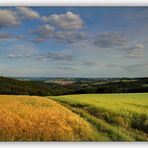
(18, 87)
(74, 86)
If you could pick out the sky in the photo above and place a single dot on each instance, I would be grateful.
(74, 41)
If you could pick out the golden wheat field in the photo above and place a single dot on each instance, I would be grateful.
(32, 118)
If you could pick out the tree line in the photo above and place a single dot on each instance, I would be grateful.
(40, 88)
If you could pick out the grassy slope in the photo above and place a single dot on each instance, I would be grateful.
(32, 118)
(121, 117)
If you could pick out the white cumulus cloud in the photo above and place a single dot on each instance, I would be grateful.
(69, 20)
(8, 18)
(28, 13)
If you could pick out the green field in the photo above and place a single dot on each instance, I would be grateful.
(118, 117)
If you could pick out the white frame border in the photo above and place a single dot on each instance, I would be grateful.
(73, 2)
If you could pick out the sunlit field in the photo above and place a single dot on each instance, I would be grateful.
(89, 117)
(119, 117)
(32, 118)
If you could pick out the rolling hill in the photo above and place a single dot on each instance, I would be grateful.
(119, 117)
(32, 118)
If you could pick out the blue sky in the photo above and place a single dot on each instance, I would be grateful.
(74, 41)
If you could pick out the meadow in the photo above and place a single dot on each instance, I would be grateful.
(85, 117)
(33, 118)
(118, 117)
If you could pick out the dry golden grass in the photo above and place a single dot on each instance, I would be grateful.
(32, 118)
